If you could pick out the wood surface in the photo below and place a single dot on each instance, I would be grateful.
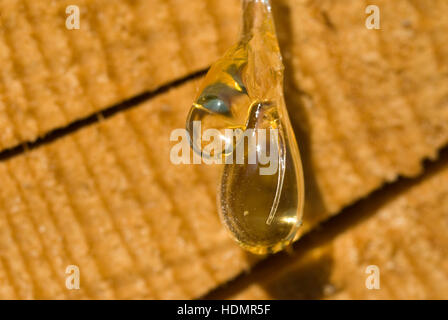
(367, 106)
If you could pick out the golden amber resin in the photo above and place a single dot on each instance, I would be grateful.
(244, 90)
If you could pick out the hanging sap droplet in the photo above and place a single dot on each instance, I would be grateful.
(262, 209)
(261, 197)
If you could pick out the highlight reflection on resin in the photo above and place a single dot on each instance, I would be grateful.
(244, 90)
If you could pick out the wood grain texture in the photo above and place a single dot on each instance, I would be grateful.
(51, 76)
(367, 106)
(108, 199)
(402, 231)
(362, 116)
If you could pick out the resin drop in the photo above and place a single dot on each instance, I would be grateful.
(260, 202)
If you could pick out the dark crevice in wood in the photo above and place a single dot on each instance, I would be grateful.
(96, 117)
(328, 230)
